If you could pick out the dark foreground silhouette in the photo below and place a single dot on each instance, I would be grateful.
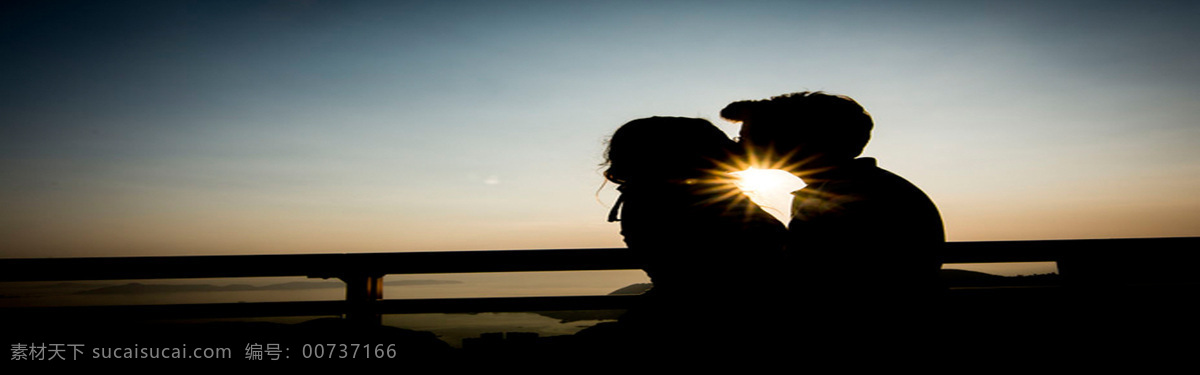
(1049, 328)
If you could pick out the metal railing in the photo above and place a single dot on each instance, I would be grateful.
(1085, 263)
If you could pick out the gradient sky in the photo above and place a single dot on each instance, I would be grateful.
(213, 127)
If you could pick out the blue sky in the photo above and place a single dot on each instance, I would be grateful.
(209, 127)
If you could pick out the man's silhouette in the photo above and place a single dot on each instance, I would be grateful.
(859, 236)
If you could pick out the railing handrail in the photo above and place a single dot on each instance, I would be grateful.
(329, 265)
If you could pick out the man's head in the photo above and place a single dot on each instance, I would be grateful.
(809, 127)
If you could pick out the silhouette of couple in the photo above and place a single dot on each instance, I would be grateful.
(859, 257)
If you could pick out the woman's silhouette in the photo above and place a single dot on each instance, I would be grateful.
(708, 249)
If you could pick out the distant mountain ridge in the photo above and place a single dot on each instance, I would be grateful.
(964, 278)
(632, 289)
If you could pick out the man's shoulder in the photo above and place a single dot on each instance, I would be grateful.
(866, 187)
(861, 178)
(871, 178)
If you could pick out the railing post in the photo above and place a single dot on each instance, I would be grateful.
(362, 290)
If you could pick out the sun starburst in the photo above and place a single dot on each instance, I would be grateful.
(766, 180)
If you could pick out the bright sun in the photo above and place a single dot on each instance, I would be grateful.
(771, 189)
